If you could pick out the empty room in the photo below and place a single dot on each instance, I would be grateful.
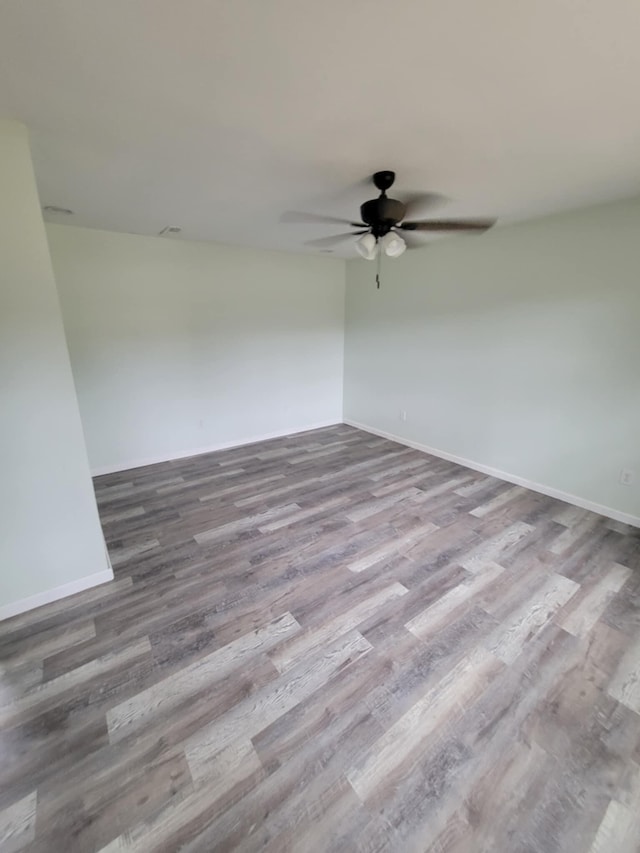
(319, 426)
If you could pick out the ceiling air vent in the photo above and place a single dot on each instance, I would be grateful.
(52, 208)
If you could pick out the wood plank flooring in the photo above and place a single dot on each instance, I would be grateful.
(330, 642)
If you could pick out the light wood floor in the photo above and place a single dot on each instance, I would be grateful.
(330, 642)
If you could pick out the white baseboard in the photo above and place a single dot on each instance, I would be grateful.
(211, 448)
(17, 607)
(549, 491)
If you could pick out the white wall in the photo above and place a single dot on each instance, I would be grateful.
(50, 541)
(179, 346)
(518, 350)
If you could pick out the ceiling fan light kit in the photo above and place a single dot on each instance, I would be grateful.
(391, 244)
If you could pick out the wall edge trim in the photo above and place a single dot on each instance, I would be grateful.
(549, 491)
(15, 608)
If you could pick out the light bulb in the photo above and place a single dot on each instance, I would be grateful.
(367, 246)
(392, 244)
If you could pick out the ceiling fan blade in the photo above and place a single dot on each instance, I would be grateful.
(302, 218)
(412, 241)
(327, 242)
(434, 225)
(418, 203)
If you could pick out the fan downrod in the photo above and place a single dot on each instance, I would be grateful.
(384, 180)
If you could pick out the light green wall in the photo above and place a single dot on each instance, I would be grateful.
(50, 540)
(518, 350)
(179, 346)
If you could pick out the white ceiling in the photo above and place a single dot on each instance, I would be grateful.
(221, 115)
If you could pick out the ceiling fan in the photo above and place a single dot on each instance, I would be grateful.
(384, 226)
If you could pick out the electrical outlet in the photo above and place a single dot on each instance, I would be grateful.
(627, 477)
(403, 414)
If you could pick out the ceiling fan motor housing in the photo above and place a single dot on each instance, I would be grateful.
(381, 214)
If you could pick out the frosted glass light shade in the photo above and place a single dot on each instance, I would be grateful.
(393, 245)
(367, 246)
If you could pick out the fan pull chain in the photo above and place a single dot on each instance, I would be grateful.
(379, 265)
